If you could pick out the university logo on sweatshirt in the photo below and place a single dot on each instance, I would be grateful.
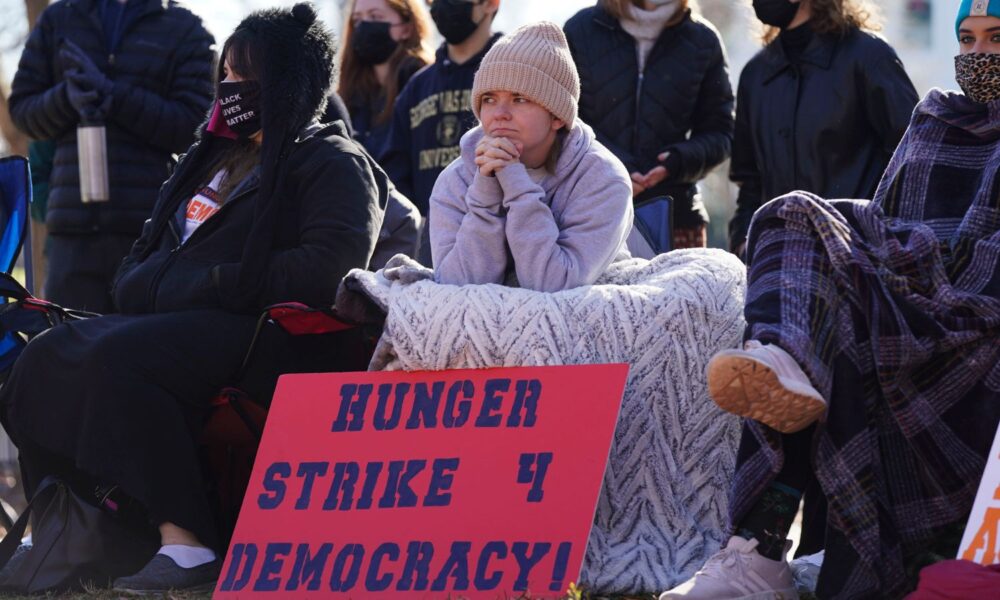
(448, 106)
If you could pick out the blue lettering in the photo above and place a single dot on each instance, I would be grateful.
(309, 470)
(398, 484)
(456, 566)
(525, 399)
(425, 405)
(345, 475)
(381, 422)
(491, 403)
(374, 582)
(525, 561)
(467, 389)
(308, 568)
(418, 562)
(353, 401)
(274, 485)
(240, 551)
(482, 581)
(442, 476)
(338, 581)
(267, 580)
(559, 570)
(372, 471)
(536, 476)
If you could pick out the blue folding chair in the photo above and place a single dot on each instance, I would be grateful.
(15, 197)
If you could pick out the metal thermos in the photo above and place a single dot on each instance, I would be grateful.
(92, 147)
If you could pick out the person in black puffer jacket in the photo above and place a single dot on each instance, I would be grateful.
(655, 88)
(821, 108)
(144, 69)
(268, 206)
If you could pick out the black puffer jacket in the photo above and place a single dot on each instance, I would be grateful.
(682, 102)
(332, 207)
(162, 74)
(826, 124)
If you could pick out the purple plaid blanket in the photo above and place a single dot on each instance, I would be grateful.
(893, 309)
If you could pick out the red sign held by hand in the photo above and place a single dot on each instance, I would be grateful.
(449, 484)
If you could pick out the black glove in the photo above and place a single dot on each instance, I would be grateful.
(83, 70)
(89, 104)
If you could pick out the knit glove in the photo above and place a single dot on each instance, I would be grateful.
(89, 104)
(82, 70)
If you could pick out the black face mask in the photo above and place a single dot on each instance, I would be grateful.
(372, 43)
(240, 105)
(454, 19)
(776, 13)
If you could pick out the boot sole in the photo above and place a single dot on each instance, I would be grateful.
(751, 389)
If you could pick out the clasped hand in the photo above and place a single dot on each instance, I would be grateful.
(88, 88)
(495, 153)
(644, 181)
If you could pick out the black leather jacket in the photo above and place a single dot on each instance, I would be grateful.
(682, 102)
(826, 124)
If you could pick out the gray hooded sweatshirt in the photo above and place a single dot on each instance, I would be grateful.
(560, 230)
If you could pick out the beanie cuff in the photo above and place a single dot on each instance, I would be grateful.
(528, 81)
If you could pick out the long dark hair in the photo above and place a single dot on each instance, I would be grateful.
(242, 156)
(358, 81)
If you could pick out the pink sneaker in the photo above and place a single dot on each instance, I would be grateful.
(738, 572)
(764, 383)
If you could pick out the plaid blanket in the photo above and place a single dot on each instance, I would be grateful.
(893, 309)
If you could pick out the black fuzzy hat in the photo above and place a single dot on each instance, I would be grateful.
(292, 54)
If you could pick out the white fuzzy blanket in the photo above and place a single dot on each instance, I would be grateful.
(664, 504)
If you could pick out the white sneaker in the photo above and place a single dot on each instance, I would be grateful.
(764, 383)
(737, 572)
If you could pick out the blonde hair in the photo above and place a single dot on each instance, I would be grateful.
(619, 9)
(358, 80)
(837, 17)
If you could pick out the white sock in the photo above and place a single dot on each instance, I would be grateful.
(187, 557)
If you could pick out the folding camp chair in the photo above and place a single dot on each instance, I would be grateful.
(15, 196)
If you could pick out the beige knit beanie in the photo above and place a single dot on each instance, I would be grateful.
(535, 62)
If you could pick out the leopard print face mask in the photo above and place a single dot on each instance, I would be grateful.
(979, 76)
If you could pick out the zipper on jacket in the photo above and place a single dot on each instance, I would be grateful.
(155, 283)
(635, 123)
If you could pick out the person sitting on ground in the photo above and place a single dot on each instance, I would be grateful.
(534, 197)
(881, 320)
(267, 207)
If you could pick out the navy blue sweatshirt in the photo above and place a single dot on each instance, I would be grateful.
(432, 113)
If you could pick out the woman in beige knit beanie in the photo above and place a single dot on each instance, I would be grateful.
(534, 200)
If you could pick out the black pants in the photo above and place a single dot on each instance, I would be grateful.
(82, 268)
(123, 398)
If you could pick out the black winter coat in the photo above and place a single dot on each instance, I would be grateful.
(331, 210)
(162, 74)
(827, 124)
(682, 102)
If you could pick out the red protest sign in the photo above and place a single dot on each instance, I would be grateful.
(448, 484)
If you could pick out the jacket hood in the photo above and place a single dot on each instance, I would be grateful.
(578, 142)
